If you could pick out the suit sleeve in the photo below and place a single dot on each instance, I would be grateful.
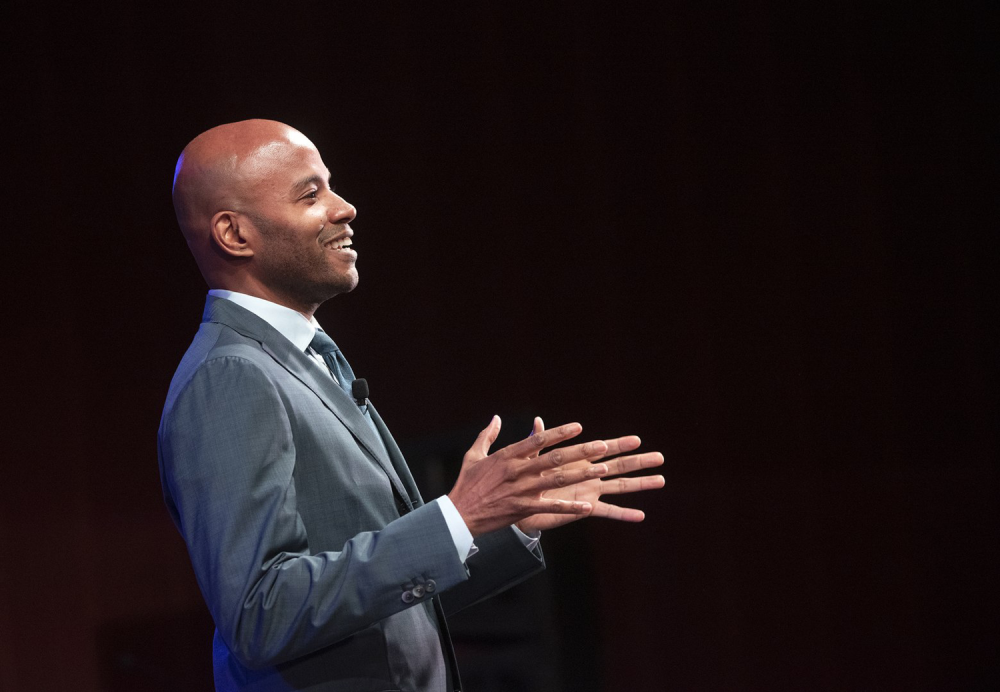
(502, 562)
(227, 458)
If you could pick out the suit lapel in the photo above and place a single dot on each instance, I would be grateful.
(297, 363)
(412, 495)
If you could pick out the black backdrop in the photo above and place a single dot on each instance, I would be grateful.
(751, 234)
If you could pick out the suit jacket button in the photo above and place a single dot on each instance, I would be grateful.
(431, 586)
(418, 591)
(407, 597)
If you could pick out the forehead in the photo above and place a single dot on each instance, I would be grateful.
(281, 165)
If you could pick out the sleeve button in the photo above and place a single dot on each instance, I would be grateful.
(407, 597)
(431, 586)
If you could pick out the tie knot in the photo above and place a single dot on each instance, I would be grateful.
(322, 343)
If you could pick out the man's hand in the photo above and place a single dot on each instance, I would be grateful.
(499, 489)
(590, 491)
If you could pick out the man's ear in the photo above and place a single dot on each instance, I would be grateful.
(228, 236)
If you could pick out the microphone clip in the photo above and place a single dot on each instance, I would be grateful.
(359, 390)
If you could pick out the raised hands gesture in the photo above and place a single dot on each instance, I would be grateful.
(538, 490)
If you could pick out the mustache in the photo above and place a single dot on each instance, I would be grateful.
(335, 233)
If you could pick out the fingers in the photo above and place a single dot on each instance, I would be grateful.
(606, 511)
(622, 444)
(547, 506)
(536, 427)
(634, 462)
(574, 455)
(587, 451)
(562, 477)
(534, 443)
(619, 486)
(562, 467)
(619, 445)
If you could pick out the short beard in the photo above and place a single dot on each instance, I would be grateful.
(286, 277)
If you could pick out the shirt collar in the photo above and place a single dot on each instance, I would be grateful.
(291, 324)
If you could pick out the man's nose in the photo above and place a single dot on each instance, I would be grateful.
(342, 211)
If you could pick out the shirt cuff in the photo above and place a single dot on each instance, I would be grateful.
(459, 531)
(529, 541)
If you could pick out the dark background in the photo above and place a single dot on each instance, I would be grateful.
(753, 234)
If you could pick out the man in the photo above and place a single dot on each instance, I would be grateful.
(321, 565)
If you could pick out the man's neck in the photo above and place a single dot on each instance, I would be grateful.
(264, 293)
(290, 323)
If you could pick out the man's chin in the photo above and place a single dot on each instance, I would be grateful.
(344, 284)
(353, 281)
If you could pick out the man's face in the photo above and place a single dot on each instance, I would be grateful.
(302, 242)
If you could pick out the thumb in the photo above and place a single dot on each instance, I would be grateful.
(488, 436)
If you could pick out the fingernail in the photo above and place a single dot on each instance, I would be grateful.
(598, 470)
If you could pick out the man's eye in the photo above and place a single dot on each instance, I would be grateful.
(312, 195)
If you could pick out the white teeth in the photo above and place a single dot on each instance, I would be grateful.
(339, 244)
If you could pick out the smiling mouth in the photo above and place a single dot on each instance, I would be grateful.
(341, 244)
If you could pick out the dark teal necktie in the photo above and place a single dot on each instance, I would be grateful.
(338, 365)
(341, 370)
(334, 359)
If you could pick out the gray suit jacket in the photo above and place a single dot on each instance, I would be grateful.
(316, 578)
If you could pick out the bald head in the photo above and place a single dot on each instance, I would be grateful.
(219, 169)
(255, 205)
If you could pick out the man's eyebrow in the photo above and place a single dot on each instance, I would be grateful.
(311, 180)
